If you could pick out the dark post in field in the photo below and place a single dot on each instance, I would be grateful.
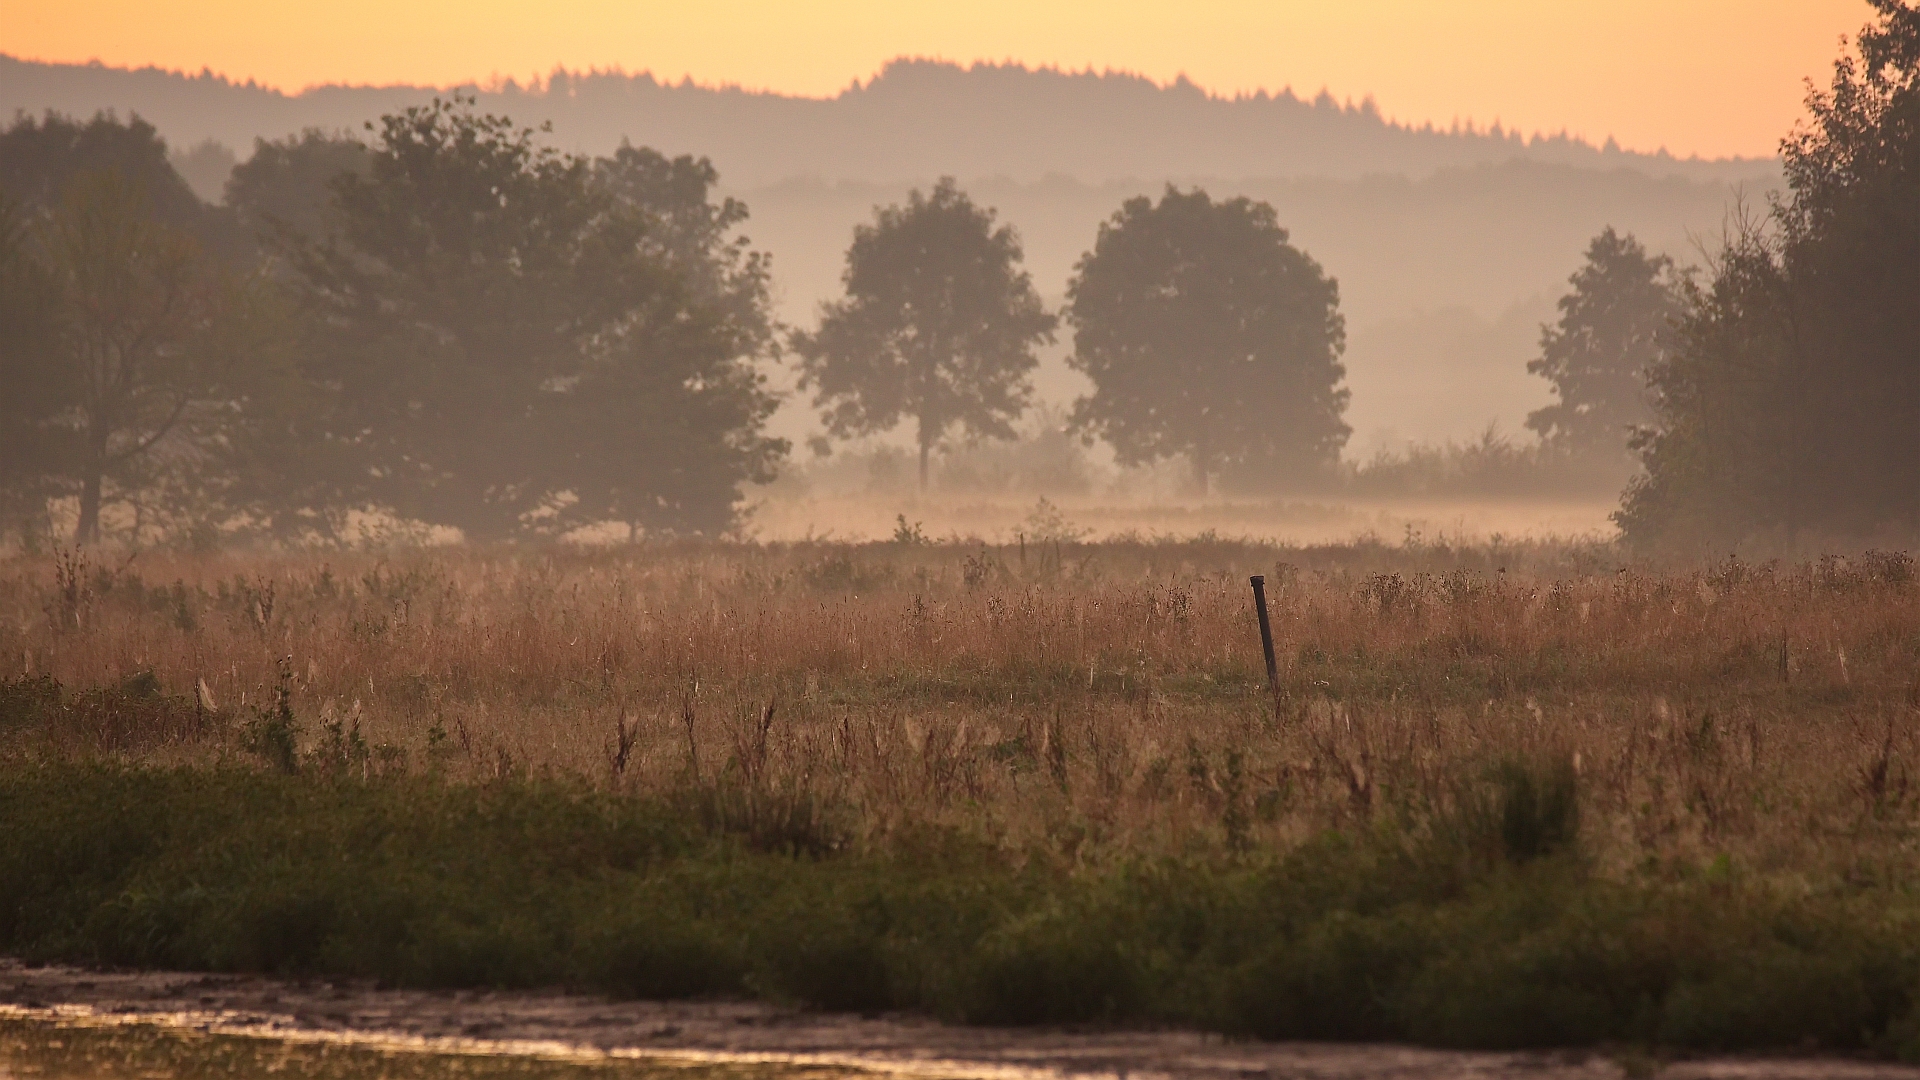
(1266, 632)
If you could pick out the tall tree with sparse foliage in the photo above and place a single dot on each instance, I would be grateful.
(137, 309)
(1613, 327)
(939, 326)
(122, 324)
(1207, 335)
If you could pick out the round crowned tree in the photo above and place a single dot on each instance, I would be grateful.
(1207, 335)
(939, 325)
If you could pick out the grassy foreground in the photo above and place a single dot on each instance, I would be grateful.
(1486, 930)
(1516, 795)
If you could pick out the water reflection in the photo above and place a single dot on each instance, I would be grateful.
(78, 1045)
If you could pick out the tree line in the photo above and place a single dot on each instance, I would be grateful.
(451, 324)
(448, 323)
(1772, 397)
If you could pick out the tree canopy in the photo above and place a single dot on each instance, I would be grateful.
(1613, 327)
(1790, 406)
(454, 325)
(115, 323)
(512, 350)
(33, 441)
(286, 187)
(40, 157)
(1208, 335)
(939, 324)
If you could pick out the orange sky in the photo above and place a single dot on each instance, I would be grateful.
(1712, 77)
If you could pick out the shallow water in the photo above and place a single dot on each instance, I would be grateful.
(81, 1047)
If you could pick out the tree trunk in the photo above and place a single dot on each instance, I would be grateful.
(88, 529)
(928, 434)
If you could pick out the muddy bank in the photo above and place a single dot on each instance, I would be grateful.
(749, 1032)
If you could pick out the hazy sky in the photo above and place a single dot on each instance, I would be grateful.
(1712, 77)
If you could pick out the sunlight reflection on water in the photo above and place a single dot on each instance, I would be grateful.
(74, 1043)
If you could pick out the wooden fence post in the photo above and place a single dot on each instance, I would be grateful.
(1266, 633)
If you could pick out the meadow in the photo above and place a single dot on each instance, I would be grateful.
(1526, 793)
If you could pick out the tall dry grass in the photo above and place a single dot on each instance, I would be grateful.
(1101, 700)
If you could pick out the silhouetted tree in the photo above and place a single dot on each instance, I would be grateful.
(287, 185)
(1207, 334)
(1851, 249)
(136, 308)
(1612, 329)
(496, 322)
(40, 158)
(1792, 404)
(38, 388)
(1722, 457)
(660, 457)
(122, 336)
(939, 324)
(696, 236)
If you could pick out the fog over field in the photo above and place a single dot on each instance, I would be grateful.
(1051, 552)
(1449, 246)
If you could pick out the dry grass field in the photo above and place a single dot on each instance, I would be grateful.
(1091, 698)
(1505, 794)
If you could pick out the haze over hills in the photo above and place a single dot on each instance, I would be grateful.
(1449, 245)
(915, 119)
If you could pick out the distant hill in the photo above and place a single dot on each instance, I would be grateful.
(916, 119)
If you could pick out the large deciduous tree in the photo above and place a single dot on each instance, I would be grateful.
(503, 329)
(1791, 406)
(1208, 335)
(1613, 328)
(119, 331)
(137, 313)
(661, 456)
(34, 436)
(939, 325)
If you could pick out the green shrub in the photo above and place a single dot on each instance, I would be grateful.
(1539, 808)
(1386, 934)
